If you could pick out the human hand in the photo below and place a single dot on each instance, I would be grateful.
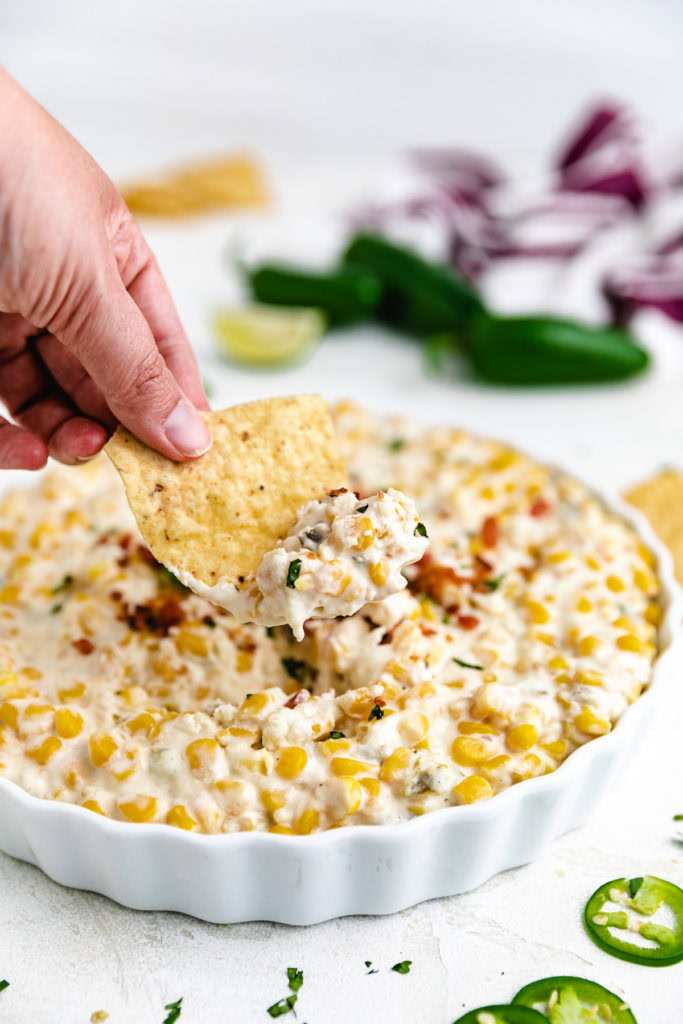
(88, 332)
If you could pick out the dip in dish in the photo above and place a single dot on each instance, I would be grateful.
(525, 631)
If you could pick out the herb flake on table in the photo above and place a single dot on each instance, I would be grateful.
(282, 1006)
(295, 978)
(468, 664)
(174, 1011)
(293, 573)
(372, 970)
(403, 967)
(4, 985)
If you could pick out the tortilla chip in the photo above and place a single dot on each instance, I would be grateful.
(661, 500)
(219, 514)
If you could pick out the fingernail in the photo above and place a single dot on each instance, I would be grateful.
(186, 430)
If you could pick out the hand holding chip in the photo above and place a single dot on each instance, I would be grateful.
(88, 331)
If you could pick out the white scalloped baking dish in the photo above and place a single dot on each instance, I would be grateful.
(366, 869)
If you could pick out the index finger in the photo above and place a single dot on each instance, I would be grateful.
(148, 290)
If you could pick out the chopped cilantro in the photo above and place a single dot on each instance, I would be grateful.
(64, 585)
(4, 985)
(296, 668)
(173, 1011)
(293, 573)
(444, 620)
(372, 970)
(295, 978)
(375, 713)
(208, 621)
(678, 817)
(56, 608)
(396, 444)
(282, 1006)
(468, 664)
(362, 508)
(336, 735)
(403, 967)
(634, 885)
(420, 530)
(494, 584)
(249, 695)
(270, 632)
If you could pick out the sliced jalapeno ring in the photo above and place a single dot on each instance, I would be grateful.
(610, 930)
(565, 1000)
(502, 1014)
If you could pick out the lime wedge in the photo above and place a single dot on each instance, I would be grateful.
(268, 335)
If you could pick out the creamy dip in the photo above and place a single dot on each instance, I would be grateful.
(526, 630)
(341, 554)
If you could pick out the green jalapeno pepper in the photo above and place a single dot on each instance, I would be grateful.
(502, 1014)
(346, 295)
(610, 929)
(566, 1000)
(419, 297)
(550, 350)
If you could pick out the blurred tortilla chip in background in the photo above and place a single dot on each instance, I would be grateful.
(223, 183)
(661, 500)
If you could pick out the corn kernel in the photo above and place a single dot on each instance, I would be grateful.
(143, 722)
(349, 766)
(538, 612)
(629, 642)
(68, 723)
(179, 817)
(614, 584)
(522, 737)
(139, 809)
(202, 753)
(653, 614)
(413, 727)
(7, 538)
(473, 788)
(592, 563)
(244, 661)
(645, 581)
(187, 642)
(472, 728)
(44, 752)
(494, 763)
(558, 556)
(282, 830)
(395, 764)
(9, 594)
(589, 723)
(273, 799)
(468, 751)
(584, 605)
(558, 663)
(502, 461)
(371, 786)
(379, 573)
(367, 534)
(647, 556)
(101, 747)
(291, 762)
(9, 714)
(307, 821)
(73, 692)
(587, 645)
(351, 793)
(254, 703)
(331, 747)
(589, 678)
(92, 805)
(556, 748)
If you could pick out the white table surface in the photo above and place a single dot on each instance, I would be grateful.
(327, 94)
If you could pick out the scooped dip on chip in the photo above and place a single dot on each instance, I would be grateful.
(341, 554)
(260, 524)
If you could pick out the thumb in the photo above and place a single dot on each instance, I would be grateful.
(113, 341)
